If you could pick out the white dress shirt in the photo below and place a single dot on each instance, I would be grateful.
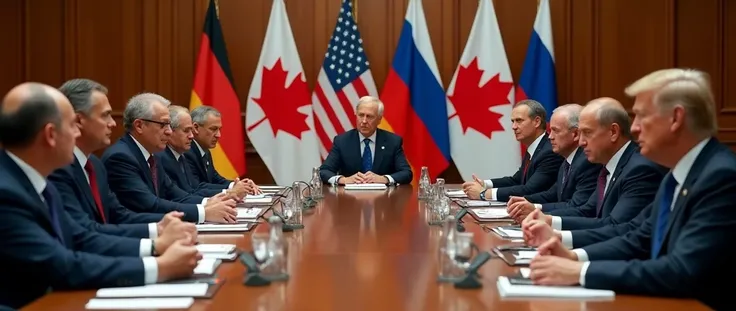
(372, 147)
(530, 149)
(680, 172)
(569, 159)
(203, 154)
(200, 207)
(150, 267)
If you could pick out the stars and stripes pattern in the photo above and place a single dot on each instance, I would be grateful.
(344, 78)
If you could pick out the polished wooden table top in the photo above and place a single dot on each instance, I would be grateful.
(370, 250)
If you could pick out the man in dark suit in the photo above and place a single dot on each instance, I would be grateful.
(627, 182)
(685, 248)
(136, 175)
(83, 184)
(538, 170)
(366, 154)
(41, 248)
(180, 172)
(207, 123)
(576, 178)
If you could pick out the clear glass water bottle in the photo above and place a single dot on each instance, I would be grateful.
(297, 203)
(440, 200)
(447, 250)
(276, 247)
(316, 184)
(424, 184)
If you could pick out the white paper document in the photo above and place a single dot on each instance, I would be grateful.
(216, 248)
(526, 255)
(224, 227)
(514, 234)
(480, 203)
(491, 213)
(155, 290)
(221, 256)
(507, 290)
(250, 199)
(456, 194)
(525, 272)
(139, 303)
(207, 266)
(365, 186)
(248, 212)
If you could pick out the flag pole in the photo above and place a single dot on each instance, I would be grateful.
(355, 10)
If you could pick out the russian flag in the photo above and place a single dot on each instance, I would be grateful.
(414, 98)
(538, 80)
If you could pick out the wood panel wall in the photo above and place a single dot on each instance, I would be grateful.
(150, 45)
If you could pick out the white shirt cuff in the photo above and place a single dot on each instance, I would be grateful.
(583, 270)
(204, 201)
(145, 248)
(493, 194)
(232, 183)
(152, 230)
(390, 179)
(566, 239)
(489, 183)
(200, 212)
(557, 222)
(150, 270)
(538, 206)
(582, 254)
(333, 179)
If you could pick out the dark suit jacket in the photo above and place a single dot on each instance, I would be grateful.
(202, 167)
(585, 237)
(33, 259)
(130, 178)
(633, 185)
(580, 184)
(184, 179)
(540, 175)
(697, 252)
(389, 159)
(80, 204)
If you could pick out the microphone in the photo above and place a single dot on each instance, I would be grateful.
(253, 275)
(309, 201)
(460, 214)
(470, 279)
(287, 227)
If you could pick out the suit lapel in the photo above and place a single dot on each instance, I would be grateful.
(81, 181)
(25, 184)
(619, 169)
(142, 163)
(354, 151)
(560, 177)
(380, 151)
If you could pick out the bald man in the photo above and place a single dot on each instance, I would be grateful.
(626, 183)
(41, 247)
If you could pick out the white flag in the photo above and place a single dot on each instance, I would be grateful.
(279, 110)
(480, 100)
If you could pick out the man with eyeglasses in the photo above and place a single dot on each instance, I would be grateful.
(366, 154)
(135, 172)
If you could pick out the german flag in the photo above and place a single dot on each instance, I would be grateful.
(213, 86)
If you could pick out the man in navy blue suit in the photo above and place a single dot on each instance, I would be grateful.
(135, 172)
(539, 166)
(685, 248)
(625, 184)
(42, 248)
(576, 178)
(366, 154)
(83, 184)
(180, 172)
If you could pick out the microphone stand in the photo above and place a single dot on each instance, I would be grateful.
(309, 201)
(470, 279)
(286, 226)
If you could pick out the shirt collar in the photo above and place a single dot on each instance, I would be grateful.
(201, 151)
(145, 152)
(37, 180)
(176, 154)
(613, 162)
(572, 156)
(81, 157)
(372, 137)
(682, 168)
(533, 146)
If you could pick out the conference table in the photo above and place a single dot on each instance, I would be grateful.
(370, 250)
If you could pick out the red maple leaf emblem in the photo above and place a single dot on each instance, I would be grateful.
(473, 102)
(280, 102)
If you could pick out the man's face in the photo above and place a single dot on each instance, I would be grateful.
(66, 134)
(155, 132)
(563, 138)
(208, 134)
(524, 127)
(653, 127)
(367, 118)
(596, 140)
(181, 137)
(96, 126)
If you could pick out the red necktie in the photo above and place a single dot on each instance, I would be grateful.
(95, 189)
(154, 173)
(527, 160)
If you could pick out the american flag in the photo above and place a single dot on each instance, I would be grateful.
(345, 77)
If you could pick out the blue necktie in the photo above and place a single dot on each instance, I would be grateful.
(53, 210)
(367, 157)
(665, 203)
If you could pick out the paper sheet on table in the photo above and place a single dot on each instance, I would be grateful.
(224, 227)
(155, 290)
(514, 234)
(370, 186)
(139, 303)
(248, 212)
(221, 256)
(526, 255)
(207, 266)
(456, 194)
(257, 198)
(216, 248)
(525, 272)
(480, 203)
(506, 289)
(491, 213)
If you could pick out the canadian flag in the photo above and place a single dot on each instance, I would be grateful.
(278, 116)
(479, 103)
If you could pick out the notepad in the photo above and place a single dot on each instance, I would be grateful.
(207, 266)
(370, 186)
(526, 254)
(507, 290)
(222, 256)
(248, 212)
(525, 272)
(456, 194)
(257, 199)
(224, 227)
(491, 213)
(155, 290)
(514, 234)
(480, 203)
(139, 303)
(216, 248)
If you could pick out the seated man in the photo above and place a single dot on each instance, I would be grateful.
(576, 179)
(135, 173)
(627, 182)
(538, 170)
(685, 248)
(83, 184)
(42, 248)
(366, 154)
(207, 124)
(174, 162)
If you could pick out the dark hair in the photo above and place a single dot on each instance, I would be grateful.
(20, 127)
(79, 93)
(535, 110)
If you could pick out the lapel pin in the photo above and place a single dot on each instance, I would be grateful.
(383, 147)
(684, 192)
